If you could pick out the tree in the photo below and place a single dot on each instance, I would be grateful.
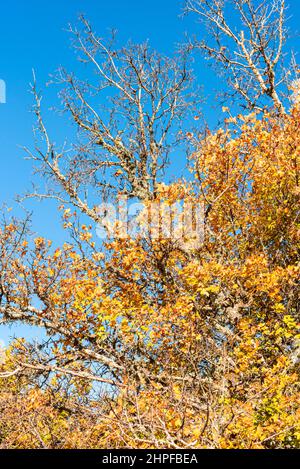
(152, 341)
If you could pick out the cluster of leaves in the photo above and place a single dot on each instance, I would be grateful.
(153, 344)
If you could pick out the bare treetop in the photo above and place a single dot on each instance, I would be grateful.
(246, 38)
(127, 113)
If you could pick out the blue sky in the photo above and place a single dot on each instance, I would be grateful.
(33, 36)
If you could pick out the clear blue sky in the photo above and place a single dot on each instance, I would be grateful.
(32, 36)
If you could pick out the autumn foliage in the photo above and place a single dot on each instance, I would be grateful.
(151, 344)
